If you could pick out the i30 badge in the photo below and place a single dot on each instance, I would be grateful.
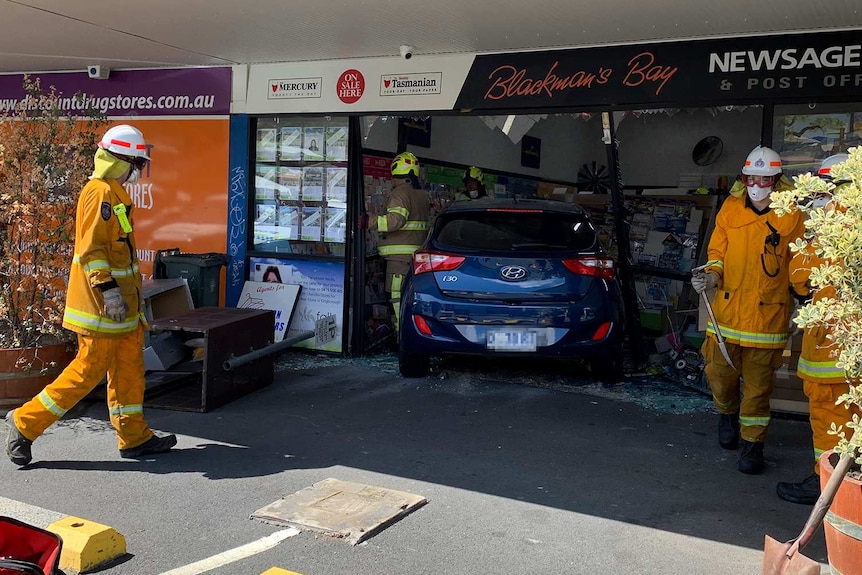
(513, 273)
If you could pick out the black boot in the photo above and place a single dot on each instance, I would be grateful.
(751, 458)
(17, 446)
(805, 492)
(728, 430)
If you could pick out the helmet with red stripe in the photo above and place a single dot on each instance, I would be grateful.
(762, 161)
(125, 140)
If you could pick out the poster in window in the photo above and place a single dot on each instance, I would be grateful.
(265, 214)
(291, 143)
(321, 297)
(336, 225)
(311, 224)
(531, 152)
(336, 184)
(312, 144)
(312, 183)
(265, 182)
(288, 221)
(265, 145)
(804, 140)
(336, 143)
(289, 180)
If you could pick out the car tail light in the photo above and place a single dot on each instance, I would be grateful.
(421, 325)
(602, 332)
(424, 262)
(598, 267)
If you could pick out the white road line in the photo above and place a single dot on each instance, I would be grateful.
(35, 516)
(236, 554)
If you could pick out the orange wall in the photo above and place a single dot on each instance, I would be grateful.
(182, 201)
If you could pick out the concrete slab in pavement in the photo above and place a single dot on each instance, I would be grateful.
(532, 471)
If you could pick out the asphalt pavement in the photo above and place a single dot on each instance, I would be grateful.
(527, 468)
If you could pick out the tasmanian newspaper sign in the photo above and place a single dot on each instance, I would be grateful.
(411, 84)
(823, 66)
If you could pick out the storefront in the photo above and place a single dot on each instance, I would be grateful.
(184, 115)
(315, 140)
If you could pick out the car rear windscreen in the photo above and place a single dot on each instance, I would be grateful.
(503, 231)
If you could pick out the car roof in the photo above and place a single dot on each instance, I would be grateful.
(483, 204)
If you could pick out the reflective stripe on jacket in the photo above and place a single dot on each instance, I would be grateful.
(404, 226)
(816, 362)
(752, 302)
(104, 253)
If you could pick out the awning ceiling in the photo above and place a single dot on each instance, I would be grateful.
(44, 35)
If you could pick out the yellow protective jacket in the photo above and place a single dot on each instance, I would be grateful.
(105, 257)
(752, 302)
(815, 360)
(404, 226)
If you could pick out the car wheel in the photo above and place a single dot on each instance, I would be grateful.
(412, 364)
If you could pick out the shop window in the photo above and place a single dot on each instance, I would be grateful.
(300, 185)
(805, 134)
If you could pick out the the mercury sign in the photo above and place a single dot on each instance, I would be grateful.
(294, 88)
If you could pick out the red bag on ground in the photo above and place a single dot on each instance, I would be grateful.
(28, 549)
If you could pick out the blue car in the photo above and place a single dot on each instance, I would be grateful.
(504, 277)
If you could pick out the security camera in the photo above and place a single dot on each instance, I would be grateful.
(98, 72)
(406, 51)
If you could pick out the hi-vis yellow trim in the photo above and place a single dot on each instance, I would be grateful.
(49, 404)
(415, 226)
(750, 339)
(121, 410)
(754, 421)
(397, 250)
(100, 324)
(93, 265)
(400, 211)
(104, 265)
(819, 369)
(716, 263)
(120, 211)
(382, 224)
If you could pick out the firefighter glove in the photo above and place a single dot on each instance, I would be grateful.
(115, 305)
(702, 282)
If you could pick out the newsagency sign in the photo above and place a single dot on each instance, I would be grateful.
(802, 67)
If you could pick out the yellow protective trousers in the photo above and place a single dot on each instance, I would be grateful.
(395, 272)
(122, 358)
(757, 367)
(823, 413)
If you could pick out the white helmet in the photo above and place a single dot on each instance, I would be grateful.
(825, 170)
(125, 140)
(762, 161)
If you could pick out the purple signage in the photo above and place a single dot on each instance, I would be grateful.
(163, 92)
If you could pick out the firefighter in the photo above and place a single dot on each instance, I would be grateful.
(474, 185)
(103, 307)
(748, 263)
(403, 227)
(822, 380)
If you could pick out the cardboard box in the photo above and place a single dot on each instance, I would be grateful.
(166, 297)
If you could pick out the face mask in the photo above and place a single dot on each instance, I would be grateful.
(820, 202)
(474, 194)
(757, 194)
(133, 176)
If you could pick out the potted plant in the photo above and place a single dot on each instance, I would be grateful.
(45, 158)
(834, 233)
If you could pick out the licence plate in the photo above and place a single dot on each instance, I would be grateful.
(520, 340)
